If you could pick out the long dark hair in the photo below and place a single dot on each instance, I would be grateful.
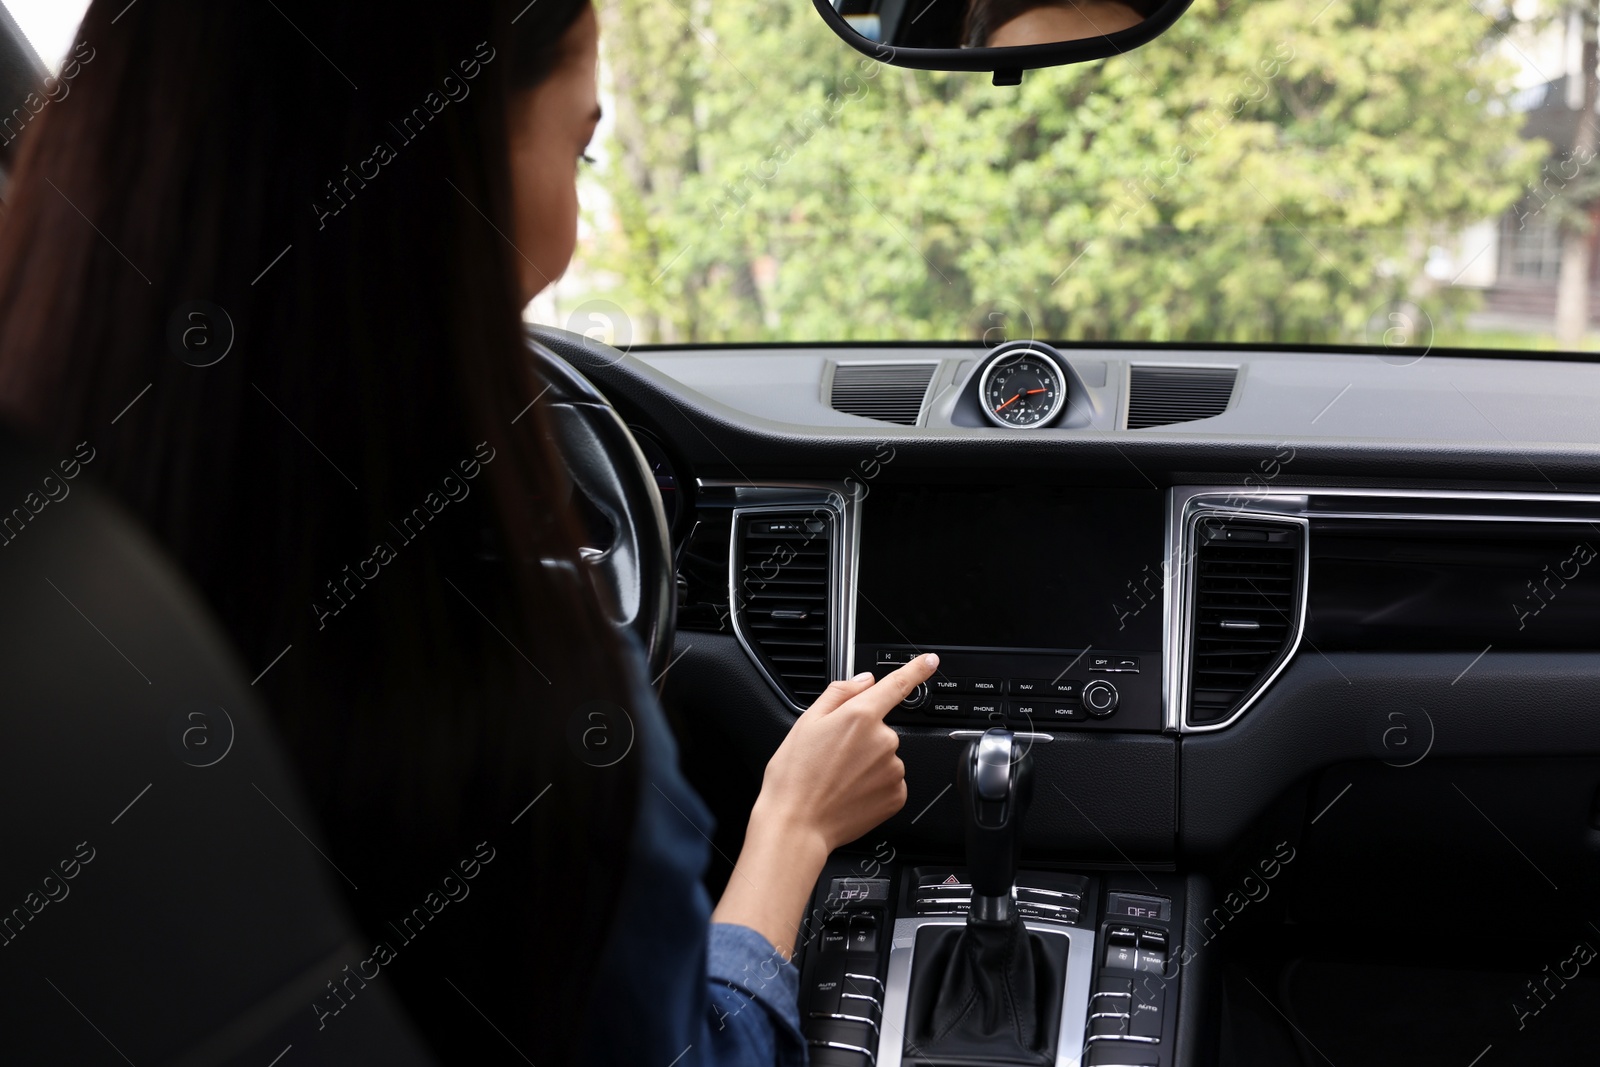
(258, 257)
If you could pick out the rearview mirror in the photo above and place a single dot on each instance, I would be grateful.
(1005, 36)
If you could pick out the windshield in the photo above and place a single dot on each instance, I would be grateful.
(1266, 172)
(1417, 174)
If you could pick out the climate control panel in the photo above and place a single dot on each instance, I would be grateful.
(1027, 689)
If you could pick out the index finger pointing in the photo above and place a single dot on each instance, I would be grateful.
(892, 688)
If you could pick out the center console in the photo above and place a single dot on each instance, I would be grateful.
(935, 965)
(1047, 605)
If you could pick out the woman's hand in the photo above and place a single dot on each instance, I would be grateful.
(835, 777)
(837, 774)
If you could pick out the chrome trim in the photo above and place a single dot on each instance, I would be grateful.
(1099, 685)
(1423, 516)
(874, 1001)
(1124, 1037)
(1170, 668)
(819, 1043)
(1030, 348)
(1294, 504)
(973, 735)
(844, 558)
(1074, 997)
(874, 979)
(992, 759)
(1301, 493)
(844, 1018)
(847, 586)
(1195, 508)
(1050, 907)
(1050, 892)
(961, 907)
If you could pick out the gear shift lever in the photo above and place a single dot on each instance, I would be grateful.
(988, 991)
(995, 780)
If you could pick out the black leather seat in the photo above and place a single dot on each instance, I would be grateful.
(162, 895)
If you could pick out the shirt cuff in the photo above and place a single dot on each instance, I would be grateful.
(742, 959)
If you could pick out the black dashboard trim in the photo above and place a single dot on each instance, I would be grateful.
(711, 434)
(1532, 355)
(1338, 707)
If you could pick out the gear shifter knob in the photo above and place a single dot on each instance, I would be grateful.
(995, 778)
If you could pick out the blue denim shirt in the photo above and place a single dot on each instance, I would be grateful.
(676, 990)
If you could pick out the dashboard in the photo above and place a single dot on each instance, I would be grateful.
(1292, 640)
(1270, 567)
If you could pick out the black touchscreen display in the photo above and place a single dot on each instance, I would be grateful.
(1013, 566)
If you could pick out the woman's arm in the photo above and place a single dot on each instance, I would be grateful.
(835, 777)
(719, 994)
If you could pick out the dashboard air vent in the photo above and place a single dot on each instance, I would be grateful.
(782, 606)
(1160, 396)
(888, 392)
(1246, 615)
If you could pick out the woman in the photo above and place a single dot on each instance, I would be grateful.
(269, 260)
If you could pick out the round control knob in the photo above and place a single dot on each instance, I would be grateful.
(1100, 698)
(916, 698)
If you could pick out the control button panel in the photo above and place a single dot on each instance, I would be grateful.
(1147, 1010)
(987, 708)
(1135, 989)
(1040, 714)
(863, 933)
(1086, 690)
(1136, 948)
(1038, 894)
(842, 980)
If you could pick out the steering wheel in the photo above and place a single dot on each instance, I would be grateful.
(610, 472)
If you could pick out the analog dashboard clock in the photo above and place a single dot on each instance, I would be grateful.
(1022, 386)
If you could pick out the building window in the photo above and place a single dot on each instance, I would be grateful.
(1530, 245)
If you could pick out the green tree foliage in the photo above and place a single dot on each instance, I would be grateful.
(1261, 172)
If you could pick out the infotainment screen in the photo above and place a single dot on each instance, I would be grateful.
(1011, 566)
